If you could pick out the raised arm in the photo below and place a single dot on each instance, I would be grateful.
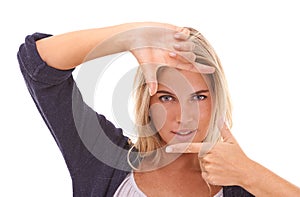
(68, 50)
(153, 45)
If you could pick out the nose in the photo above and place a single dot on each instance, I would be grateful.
(187, 113)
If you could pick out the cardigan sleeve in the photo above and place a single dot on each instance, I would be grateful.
(235, 191)
(92, 147)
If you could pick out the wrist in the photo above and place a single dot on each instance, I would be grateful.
(251, 175)
(136, 35)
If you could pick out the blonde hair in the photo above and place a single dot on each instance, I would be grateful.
(148, 138)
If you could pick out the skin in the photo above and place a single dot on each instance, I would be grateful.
(152, 44)
(182, 101)
(227, 164)
(69, 50)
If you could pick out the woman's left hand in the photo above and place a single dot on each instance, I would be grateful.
(226, 163)
(221, 164)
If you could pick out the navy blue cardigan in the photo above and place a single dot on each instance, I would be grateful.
(93, 148)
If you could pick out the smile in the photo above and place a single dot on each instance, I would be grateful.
(184, 132)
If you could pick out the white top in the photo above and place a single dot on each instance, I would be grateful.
(129, 188)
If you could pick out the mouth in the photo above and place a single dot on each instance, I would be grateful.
(184, 132)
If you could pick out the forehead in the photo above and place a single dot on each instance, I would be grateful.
(180, 80)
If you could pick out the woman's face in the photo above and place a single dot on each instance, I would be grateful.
(181, 108)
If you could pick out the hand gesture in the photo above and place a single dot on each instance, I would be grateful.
(164, 46)
(223, 163)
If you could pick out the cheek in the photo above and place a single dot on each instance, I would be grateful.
(205, 113)
(158, 115)
(204, 117)
(203, 123)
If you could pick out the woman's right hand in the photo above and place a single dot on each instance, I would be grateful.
(167, 45)
(153, 44)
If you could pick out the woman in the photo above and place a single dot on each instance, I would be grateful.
(168, 112)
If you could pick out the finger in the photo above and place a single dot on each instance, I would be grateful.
(186, 31)
(186, 56)
(184, 46)
(149, 72)
(195, 67)
(187, 66)
(206, 148)
(184, 148)
(186, 61)
(202, 167)
(152, 88)
(206, 176)
(200, 148)
(182, 33)
(204, 69)
(226, 134)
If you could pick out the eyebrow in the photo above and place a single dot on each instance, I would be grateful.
(200, 92)
(195, 93)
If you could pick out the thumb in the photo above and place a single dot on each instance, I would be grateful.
(152, 87)
(226, 134)
(149, 72)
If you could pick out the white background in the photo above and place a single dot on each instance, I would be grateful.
(257, 41)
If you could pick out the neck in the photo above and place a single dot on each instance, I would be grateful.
(185, 162)
(173, 163)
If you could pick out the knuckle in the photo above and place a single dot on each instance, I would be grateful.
(189, 56)
(208, 177)
(188, 46)
(192, 46)
(193, 57)
(204, 160)
(208, 158)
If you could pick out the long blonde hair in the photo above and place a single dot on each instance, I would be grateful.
(148, 138)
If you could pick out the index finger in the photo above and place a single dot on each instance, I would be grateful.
(187, 61)
(182, 33)
(200, 148)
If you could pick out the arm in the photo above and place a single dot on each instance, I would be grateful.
(153, 45)
(68, 50)
(225, 164)
(249, 174)
(260, 181)
(86, 139)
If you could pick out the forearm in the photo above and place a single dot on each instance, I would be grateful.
(68, 50)
(260, 181)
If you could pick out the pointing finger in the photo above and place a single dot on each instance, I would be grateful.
(200, 148)
(184, 148)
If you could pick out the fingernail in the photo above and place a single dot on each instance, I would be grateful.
(169, 149)
(172, 54)
(211, 70)
(150, 92)
(176, 46)
(177, 35)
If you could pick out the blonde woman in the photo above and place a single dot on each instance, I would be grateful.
(178, 111)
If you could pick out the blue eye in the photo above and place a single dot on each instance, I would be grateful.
(166, 98)
(198, 97)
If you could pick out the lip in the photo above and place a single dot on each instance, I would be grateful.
(184, 132)
(184, 135)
